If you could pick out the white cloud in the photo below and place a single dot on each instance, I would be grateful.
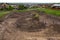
(31, 1)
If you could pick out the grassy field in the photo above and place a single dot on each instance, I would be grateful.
(50, 11)
(2, 13)
(46, 10)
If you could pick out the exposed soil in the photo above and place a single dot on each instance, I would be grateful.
(20, 26)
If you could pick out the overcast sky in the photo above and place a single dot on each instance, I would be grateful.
(31, 1)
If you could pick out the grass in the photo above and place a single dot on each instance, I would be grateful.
(50, 11)
(24, 10)
(46, 10)
(3, 13)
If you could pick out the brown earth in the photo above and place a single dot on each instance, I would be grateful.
(18, 26)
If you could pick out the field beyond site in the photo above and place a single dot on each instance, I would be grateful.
(46, 10)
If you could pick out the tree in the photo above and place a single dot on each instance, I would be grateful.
(10, 8)
(21, 7)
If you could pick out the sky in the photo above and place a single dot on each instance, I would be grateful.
(30, 1)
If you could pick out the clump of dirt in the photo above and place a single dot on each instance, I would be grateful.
(27, 23)
(56, 28)
(13, 15)
(2, 19)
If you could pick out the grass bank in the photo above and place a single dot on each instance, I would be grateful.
(3, 13)
(46, 10)
(50, 11)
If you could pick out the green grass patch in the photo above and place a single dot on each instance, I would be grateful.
(46, 10)
(3, 13)
(50, 11)
(25, 10)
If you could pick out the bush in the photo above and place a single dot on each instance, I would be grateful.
(35, 16)
(7, 8)
(1, 8)
(21, 7)
(10, 8)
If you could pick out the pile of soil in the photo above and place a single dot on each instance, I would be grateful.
(25, 20)
(21, 26)
(26, 23)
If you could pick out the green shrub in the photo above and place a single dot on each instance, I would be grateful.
(7, 8)
(21, 7)
(35, 16)
(1, 9)
(10, 8)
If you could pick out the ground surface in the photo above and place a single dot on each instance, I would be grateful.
(9, 31)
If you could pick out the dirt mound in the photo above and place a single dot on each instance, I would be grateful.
(21, 26)
(25, 20)
(26, 23)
